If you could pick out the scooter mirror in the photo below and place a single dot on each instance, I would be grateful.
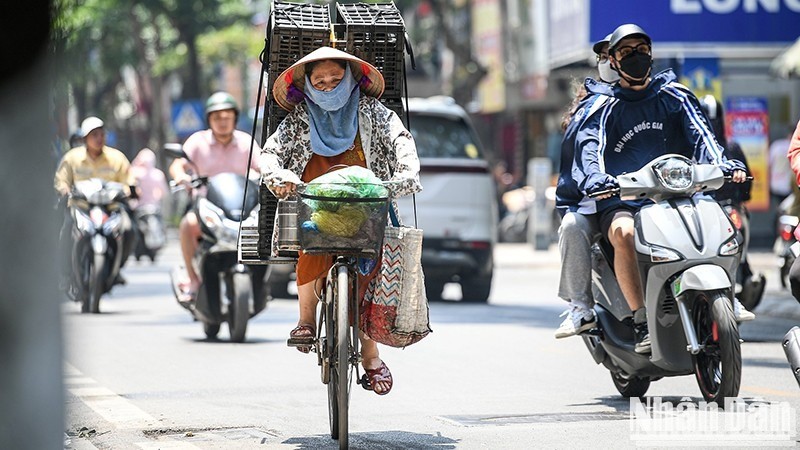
(175, 150)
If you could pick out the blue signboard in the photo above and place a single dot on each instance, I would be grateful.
(701, 21)
(188, 117)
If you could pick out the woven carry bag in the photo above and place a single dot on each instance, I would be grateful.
(395, 307)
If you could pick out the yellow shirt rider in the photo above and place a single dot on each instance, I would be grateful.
(94, 159)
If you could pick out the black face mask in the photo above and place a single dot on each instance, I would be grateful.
(636, 65)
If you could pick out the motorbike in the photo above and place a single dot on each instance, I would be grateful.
(688, 251)
(787, 225)
(150, 231)
(98, 210)
(749, 288)
(230, 292)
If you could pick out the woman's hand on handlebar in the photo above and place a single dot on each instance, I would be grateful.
(282, 190)
(739, 176)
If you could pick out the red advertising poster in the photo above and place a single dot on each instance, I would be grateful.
(747, 123)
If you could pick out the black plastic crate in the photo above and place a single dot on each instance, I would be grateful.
(266, 221)
(396, 105)
(294, 30)
(375, 33)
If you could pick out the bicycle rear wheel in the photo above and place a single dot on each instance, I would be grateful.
(343, 352)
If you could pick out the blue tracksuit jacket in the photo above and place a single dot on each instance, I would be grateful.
(634, 127)
(569, 196)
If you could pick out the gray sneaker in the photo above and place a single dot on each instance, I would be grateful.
(579, 319)
(642, 335)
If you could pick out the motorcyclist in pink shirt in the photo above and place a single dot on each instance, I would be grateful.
(220, 148)
(151, 183)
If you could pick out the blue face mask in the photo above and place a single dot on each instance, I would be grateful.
(333, 116)
(336, 98)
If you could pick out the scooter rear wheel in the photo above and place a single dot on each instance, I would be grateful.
(630, 386)
(211, 330)
(718, 366)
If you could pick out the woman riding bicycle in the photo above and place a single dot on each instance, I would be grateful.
(334, 119)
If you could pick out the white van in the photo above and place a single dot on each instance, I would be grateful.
(457, 208)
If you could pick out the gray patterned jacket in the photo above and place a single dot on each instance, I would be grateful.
(388, 147)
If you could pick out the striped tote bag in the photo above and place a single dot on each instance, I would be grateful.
(394, 309)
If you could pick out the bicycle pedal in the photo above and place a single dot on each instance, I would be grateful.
(292, 342)
(364, 382)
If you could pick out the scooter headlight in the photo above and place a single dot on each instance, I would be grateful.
(674, 173)
(661, 255)
(113, 224)
(729, 248)
(210, 215)
(83, 222)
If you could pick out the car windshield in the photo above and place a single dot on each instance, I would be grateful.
(443, 137)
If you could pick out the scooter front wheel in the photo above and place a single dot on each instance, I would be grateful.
(239, 310)
(97, 277)
(718, 366)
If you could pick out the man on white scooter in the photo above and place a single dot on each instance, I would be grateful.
(646, 116)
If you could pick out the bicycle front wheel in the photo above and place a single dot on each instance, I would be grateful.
(329, 370)
(343, 351)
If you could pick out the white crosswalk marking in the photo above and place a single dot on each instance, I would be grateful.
(115, 409)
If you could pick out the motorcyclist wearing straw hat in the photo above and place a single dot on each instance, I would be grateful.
(335, 118)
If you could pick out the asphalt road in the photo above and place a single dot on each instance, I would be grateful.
(141, 375)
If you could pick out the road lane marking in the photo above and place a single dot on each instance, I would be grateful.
(118, 411)
(166, 445)
(767, 391)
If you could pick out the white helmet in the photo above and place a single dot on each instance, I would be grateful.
(89, 124)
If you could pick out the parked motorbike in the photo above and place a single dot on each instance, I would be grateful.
(98, 210)
(787, 224)
(750, 286)
(230, 292)
(150, 231)
(688, 250)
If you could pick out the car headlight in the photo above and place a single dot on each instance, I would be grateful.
(210, 215)
(674, 173)
(729, 248)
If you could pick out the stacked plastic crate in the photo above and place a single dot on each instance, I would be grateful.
(375, 32)
(294, 30)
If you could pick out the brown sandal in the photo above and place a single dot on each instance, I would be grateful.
(372, 377)
(302, 337)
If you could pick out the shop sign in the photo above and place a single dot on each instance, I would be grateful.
(747, 123)
(701, 21)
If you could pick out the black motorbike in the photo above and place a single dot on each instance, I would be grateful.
(785, 237)
(750, 286)
(98, 210)
(230, 292)
(150, 232)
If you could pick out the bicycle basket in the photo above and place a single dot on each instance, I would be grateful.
(342, 218)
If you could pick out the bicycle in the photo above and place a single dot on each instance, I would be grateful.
(337, 340)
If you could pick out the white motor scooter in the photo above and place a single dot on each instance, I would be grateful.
(688, 252)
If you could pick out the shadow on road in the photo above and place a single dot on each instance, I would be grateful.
(535, 316)
(770, 329)
(378, 440)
